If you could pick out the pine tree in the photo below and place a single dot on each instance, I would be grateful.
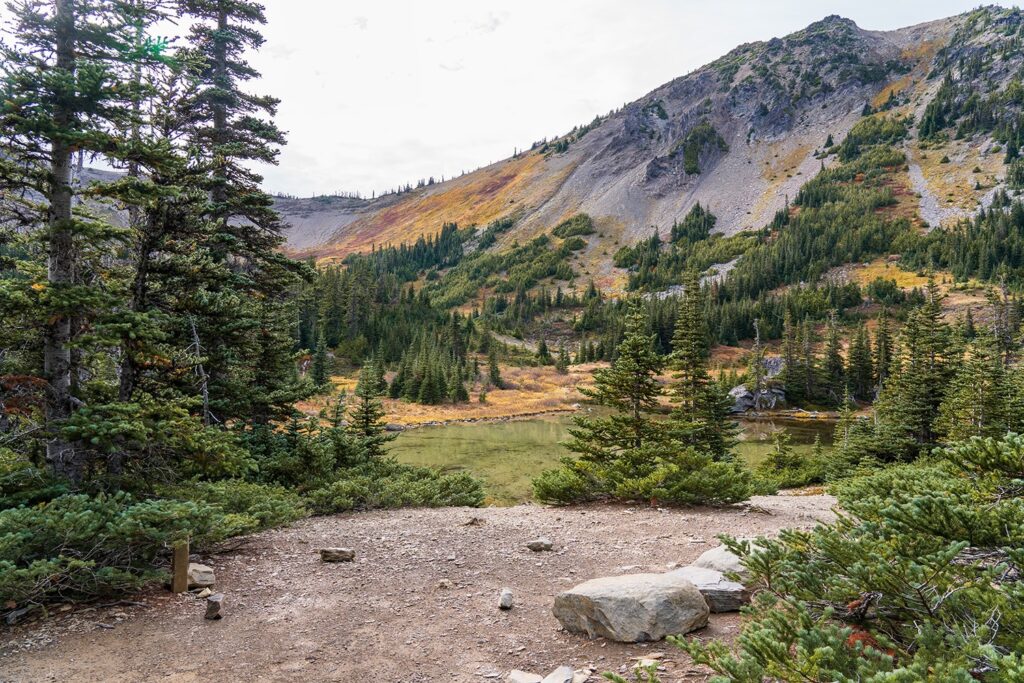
(808, 361)
(493, 370)
(977, 401)
(861, 371)
(366, 424)
(791, 361)
(543, 355)
(756, 371)
(834, 369)
(318, 371)
(883, 351)
(630, 388)
(562, 364)
(701, 415)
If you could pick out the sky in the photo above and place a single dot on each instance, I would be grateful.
(380, 93)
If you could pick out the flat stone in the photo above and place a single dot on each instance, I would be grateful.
(517, 676)
(632, 608)
(337, 554)
(539, 545)
(200, 576)
(505, 599)
(721, 594)
(562, 674)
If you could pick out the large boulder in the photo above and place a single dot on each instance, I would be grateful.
(721, 594)
(632, 608)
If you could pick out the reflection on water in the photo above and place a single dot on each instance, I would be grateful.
(508, 455)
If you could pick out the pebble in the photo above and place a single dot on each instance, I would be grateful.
(505, 599)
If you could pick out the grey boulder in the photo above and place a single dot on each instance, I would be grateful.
(632, 608)
(721, 594)
(200, 576)
(539, 545)
(517, 676)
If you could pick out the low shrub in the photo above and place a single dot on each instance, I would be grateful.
(385, 483)
(80, 546)
(242, 507)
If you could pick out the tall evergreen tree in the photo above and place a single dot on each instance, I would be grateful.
(701, 415)
(861, 371)
(883, 351)
(977, 402)
(318, 371)
(366, 418)
(834, 369)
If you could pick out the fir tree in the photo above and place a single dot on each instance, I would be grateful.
(366, 426)
(700, 418)
(861, 371)
(318, 371)
(562, 364)
(493, 370)
(834, 369)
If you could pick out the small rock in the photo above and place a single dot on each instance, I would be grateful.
(517, 676)
(445, 583)
(214, 605)
(205, 593)
(200, 576)
(505, 600)
(563, 674)
(581, 675)
(337, 554)
(539, 545)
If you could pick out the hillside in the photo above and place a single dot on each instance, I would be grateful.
(739, 135)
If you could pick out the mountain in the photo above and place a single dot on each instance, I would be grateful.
(740, 135)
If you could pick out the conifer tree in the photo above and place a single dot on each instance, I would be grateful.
(861, 371)
(791, 360)
(834, 369)
(366, 417)
(562, 364)
(630, 388)
(493, 370)
(977, 401)
(701, 415)
(883, 351)
(318, 371)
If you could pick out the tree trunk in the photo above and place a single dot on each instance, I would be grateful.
(60, 454)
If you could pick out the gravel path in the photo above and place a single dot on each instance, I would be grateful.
(388, 617)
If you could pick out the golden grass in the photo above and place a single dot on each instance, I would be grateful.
(474, 199)
(528, 391)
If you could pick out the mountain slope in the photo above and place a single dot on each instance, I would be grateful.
(740, 135)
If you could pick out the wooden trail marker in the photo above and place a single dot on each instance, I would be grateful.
(179, 568)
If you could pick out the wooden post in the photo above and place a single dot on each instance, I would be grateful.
(179, 568)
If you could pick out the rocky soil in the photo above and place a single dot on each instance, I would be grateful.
(419, 603)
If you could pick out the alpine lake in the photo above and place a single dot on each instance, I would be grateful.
(508, 454)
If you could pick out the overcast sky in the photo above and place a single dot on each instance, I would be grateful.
(378, 93)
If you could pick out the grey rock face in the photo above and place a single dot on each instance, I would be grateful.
(632, 608)
(721, 594)
(337, 554)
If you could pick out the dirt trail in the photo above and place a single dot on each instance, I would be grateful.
(385, 618)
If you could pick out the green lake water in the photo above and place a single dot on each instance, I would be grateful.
(508, 455)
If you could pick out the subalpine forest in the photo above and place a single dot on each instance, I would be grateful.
(157, 340)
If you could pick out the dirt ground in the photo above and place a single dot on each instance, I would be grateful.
(386, 617)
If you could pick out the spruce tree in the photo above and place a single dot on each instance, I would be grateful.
(834, 369)
(861, 371)
(977, 401)
(630, 388)
(883, 351)
(493, 370)
(562, 364)
(366, 426)
(701, 415)
(319, 372)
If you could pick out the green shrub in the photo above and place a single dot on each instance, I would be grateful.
(579, 224)
(242, 507)
(22, 483)
(917, 580)
(563, 486)
(83, 546)
(384, 483)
